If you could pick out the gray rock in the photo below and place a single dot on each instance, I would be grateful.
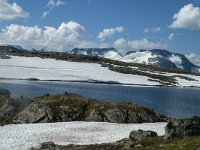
(183, 127)
(71, 107)
(94, 115)
(115, 115)
(141, 135)
(125, 143)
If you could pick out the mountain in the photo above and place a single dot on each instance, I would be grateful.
(155, 57)
(16, 46)
(161, 58)
(110, 53)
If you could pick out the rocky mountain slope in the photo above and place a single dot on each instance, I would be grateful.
(110, 53)
(156, 57)
(161, 58)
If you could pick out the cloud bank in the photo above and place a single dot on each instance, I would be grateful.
(68, 35)
(11, 11)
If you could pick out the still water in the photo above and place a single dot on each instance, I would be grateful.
(171, 101)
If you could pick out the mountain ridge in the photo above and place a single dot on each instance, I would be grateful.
(155, 57)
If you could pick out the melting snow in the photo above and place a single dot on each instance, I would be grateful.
(50, 69)
(25, 136)
(138, 57)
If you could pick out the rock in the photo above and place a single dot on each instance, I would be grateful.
(94, 115)
(72, 107)
(4, 92)
(116, 115)
(141, 135)
(182, 127)
(125, 143)
(46, 146)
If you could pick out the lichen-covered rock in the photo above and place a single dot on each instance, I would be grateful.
(72, 107)
(183, 127)
(116, 115)
(141, 135)
(94, 115)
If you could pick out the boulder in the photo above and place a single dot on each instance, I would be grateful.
(183, 127)
(141, 135)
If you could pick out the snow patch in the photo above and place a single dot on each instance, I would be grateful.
(112, 55)
(138, 57)
(50, 69)
(25, 136)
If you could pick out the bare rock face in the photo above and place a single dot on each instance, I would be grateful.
(6, 108)
(141, 135)
(72, 107)
(183, 127)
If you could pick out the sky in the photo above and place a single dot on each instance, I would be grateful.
(61, 25)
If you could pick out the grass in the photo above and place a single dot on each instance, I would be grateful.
(157, 143)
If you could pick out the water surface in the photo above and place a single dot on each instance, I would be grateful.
(171, 101)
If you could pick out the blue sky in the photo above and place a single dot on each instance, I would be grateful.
(124, 24)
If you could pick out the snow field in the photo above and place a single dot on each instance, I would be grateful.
(25, 136)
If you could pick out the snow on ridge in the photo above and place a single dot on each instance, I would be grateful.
(112, 55)
(138, 57)
(51, 69)
(25, 136)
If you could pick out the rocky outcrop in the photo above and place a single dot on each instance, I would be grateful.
(141, 135)
(72, 107)
(182, 128)
(6, 108)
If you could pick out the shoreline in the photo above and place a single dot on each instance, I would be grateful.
(95, 82)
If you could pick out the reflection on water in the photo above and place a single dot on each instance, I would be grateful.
(174, 102)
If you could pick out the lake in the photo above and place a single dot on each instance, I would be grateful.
(170, 101)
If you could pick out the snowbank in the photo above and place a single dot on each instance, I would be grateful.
(25, 136)
(50, 69)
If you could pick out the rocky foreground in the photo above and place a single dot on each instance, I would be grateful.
(71, 107)
(179, 134)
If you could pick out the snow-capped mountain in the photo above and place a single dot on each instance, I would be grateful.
(161, 58)
(155, 57)
(110, 53)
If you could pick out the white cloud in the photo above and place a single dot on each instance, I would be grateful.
(137, 44)
(120, 43)
(145, 44)
(194, 58)
(188, 17)
(108, 33)
(154, 29)
(67, 36)
(171, 36)
(45, 14)
(51, 5)
(11, 11)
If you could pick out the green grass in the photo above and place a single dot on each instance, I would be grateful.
(187, 143)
